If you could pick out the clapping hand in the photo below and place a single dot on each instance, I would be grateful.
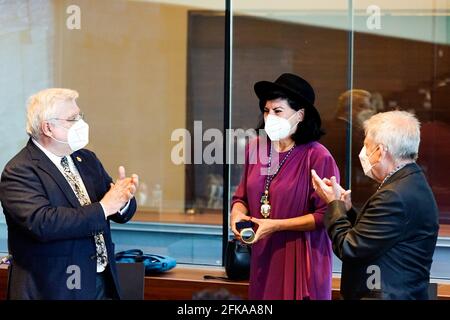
(329, 190)
(120, 192)
(128, 183)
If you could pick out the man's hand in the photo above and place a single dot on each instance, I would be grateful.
(346, 197)
(327, 189)
(133, 181)
(120, 193)
(345, 194)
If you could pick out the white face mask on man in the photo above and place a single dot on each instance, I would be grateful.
(278, 128)
(77, 135)
(365, 162)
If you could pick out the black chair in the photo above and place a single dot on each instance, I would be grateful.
(131, 279)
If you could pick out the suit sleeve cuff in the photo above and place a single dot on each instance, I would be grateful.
(98, 221)
(104, 211)
(336, 208)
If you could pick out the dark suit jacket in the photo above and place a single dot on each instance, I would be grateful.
(393, 237)
(49, 232)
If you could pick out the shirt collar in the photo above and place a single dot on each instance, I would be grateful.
(53, 157)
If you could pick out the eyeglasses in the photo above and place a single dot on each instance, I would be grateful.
(74, 118)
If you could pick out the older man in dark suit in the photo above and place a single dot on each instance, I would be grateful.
(58, 201)
(387, 247)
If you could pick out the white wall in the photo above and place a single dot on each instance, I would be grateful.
(26, 56)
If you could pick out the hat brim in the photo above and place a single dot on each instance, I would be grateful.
(264, 88)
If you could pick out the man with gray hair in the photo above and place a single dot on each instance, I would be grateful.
(58, 201)
(387, 248)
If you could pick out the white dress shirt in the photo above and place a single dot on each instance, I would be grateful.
(57, 162)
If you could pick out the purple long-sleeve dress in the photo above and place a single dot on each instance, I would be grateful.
(289, 264)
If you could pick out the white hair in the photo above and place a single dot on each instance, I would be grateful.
(41, 107)
(399, 131)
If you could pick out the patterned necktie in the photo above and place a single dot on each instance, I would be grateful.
(102, 256)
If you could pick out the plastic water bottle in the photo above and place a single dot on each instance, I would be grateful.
(157, 198)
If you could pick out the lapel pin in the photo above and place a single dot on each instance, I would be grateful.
(79, 159)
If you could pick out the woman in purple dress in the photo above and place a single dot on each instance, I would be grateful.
(291, 252)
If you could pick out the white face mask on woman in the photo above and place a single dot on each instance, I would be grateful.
(77, 135)
(365, 162)
(278, 128)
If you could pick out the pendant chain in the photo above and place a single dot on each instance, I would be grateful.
(269, 177)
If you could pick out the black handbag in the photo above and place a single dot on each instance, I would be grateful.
(237, 260)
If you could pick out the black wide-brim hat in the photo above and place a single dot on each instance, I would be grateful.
(295, 88)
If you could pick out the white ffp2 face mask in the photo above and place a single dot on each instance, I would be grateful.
(77, 136)
(365, 162)
(278, 128)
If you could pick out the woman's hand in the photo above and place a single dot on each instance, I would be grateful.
(238, 214)
(265, 228)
